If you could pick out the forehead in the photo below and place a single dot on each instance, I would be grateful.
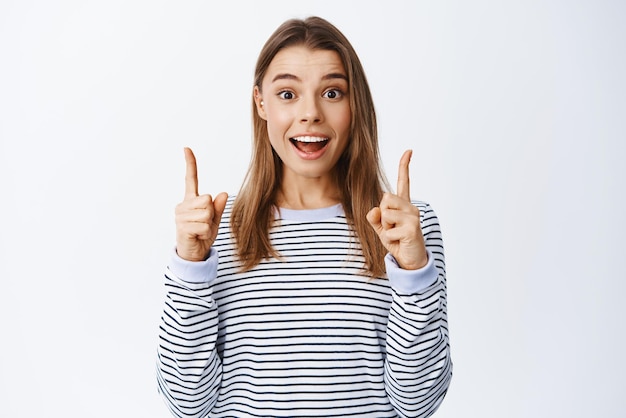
(301, 61)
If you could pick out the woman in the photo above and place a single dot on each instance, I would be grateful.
(313, 292)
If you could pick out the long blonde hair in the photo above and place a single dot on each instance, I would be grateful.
(358, 172)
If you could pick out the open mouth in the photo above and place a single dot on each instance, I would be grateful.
(309, 144)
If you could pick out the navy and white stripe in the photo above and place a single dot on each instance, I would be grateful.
(306, 335)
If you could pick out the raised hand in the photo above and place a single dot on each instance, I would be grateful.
(197, 217)
(397, 222)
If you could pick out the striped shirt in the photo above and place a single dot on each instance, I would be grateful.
(308, 334)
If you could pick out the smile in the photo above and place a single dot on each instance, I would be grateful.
(309, 144)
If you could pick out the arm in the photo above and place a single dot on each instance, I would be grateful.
(188, 367)
(418, 367)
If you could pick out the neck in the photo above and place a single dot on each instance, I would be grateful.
(308, 193)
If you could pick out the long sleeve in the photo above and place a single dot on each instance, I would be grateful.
(418, 367)
(189, 369)
(306, 334)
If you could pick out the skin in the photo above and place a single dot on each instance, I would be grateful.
(397, 222)
(304, 93)
(197, 216)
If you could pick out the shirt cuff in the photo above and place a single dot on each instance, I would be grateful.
(410, 282)
(195, 271)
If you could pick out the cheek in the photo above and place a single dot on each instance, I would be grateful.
(275, 135)
(277, 124)
(344, 119)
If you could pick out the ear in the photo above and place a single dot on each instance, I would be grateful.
(258, 101)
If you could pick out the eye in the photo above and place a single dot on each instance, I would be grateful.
(333, 94)
(286, 95)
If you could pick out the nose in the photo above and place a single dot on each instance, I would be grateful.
(310, 111)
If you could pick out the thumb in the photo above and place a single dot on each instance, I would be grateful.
(374, 218)
(219, 203)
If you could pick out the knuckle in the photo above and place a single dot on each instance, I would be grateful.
(179, 208)
(205, 217)
(203, 200)
(203, 229)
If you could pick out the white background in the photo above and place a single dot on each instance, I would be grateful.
(516, 111)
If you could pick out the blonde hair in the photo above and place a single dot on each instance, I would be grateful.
(358, 172)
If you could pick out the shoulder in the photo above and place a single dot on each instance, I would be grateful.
(420, 204)
(428, 216)
(424, 207)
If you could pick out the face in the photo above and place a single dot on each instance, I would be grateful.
(307, 109)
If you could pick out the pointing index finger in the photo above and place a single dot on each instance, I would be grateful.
(404, 190)
(191, 174)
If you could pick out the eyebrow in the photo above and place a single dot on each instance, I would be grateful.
(330, 76)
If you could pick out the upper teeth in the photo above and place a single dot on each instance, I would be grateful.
(310, 138)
